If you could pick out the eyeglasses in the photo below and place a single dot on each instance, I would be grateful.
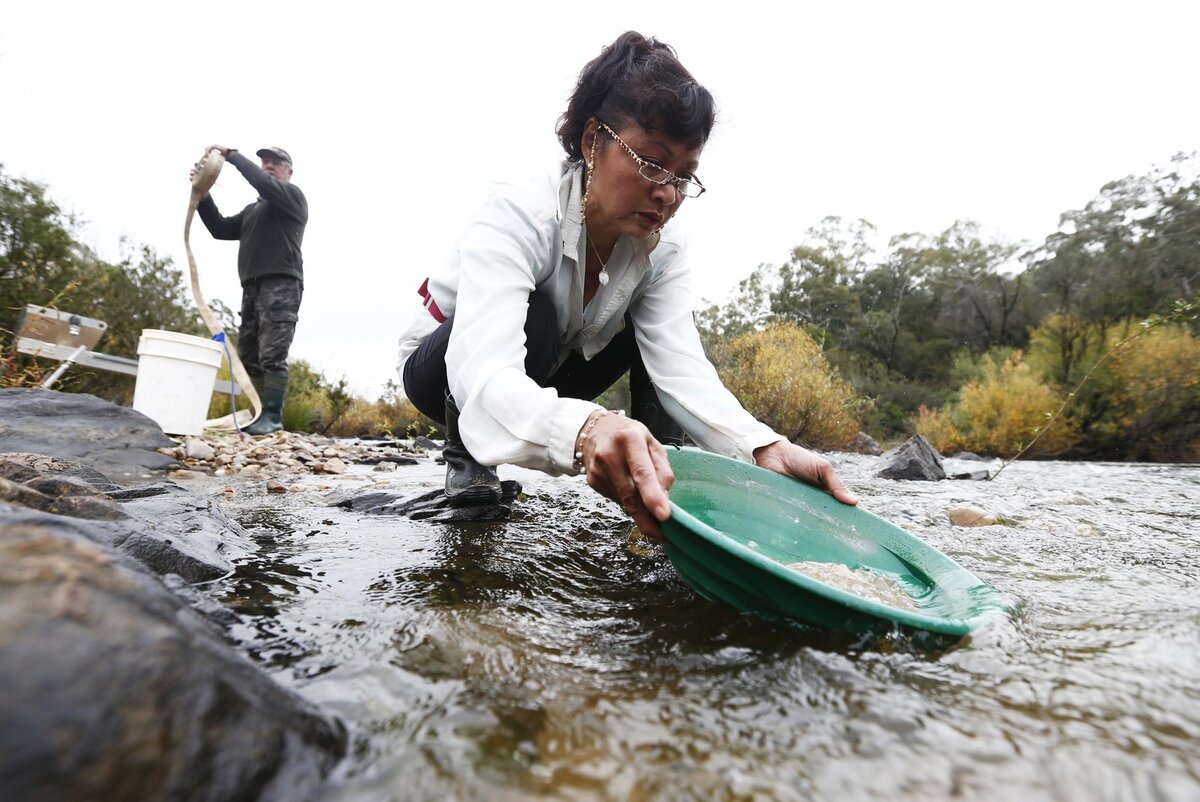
(688, 187)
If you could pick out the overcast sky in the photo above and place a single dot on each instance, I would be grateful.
(910, 115)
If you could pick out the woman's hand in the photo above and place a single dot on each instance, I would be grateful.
(791, 460)
(626, 464)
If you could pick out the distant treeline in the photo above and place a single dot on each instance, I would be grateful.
(971, 340)
(926, 330)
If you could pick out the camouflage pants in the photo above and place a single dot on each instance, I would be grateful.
(270, 309)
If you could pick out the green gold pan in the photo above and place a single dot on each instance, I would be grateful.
(735, 528)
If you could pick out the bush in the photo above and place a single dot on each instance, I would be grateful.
(998, 413)
(782, 377)
(1156, 395)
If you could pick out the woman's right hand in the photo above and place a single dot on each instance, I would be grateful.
(626, 464)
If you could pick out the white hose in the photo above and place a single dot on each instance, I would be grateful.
(207, 170)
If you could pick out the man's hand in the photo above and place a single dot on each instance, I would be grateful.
(626, 464)
(224, 151)
(791, 460)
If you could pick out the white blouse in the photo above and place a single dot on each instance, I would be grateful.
(528, 238)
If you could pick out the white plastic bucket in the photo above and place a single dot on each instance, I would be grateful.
(175, 379)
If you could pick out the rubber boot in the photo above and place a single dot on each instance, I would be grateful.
(468, 484)
(274, 388)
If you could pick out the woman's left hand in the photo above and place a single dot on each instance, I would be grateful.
(792, 460)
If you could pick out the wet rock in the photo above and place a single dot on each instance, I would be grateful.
(863, 443)
(160, 524)
(431, 506)
(970, 516)
(384, 467)
(916, 459)
(99, 434)
(426, 444)
(274, 486)
(386, 459)
(972, 468)
(115, 689)
(333, 465)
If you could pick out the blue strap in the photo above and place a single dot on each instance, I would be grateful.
(220, 337)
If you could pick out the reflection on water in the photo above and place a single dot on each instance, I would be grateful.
(553, 656)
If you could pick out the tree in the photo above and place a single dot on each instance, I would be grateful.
(1131, 252)
(43, 262)
(39, 257)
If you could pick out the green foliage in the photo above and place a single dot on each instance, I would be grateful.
(782, 378)
(42, 262)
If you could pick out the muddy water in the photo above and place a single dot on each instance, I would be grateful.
(553, 657)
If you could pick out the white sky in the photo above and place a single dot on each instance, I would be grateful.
(911, 115)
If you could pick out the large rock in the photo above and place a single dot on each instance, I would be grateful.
(915, 459)
(159, 524)
(110, 438)
(115, 690)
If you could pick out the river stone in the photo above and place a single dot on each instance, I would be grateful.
(863, 443)
(100, 434)
(915, 459)
(115, 690)
(160, 524)
(970, 516)
(196, 448)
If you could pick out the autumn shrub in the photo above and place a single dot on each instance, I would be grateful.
(999, 412)
(1156, 395)
(782, 377)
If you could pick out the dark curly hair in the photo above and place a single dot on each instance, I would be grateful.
(640, 80)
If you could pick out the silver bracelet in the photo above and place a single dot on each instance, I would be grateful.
(585, 431)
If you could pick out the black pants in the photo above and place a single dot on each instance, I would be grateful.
(425, 381)
(270, 309)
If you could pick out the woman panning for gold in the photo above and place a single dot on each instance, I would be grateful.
(562, 285)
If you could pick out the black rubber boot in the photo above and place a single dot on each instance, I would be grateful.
(468, 484)
(274, 389)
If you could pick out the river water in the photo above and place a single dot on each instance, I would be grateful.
(555, 656)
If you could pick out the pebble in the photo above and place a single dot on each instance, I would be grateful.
(274, 486)
(195, 448)
(283, 453)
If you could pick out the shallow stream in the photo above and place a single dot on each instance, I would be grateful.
(554, 656)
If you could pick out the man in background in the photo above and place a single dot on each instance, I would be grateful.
(271, 268)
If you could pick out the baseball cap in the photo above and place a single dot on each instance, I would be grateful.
(275, 152)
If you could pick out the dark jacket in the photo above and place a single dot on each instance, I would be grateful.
(270, 230)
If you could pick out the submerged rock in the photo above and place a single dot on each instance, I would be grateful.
(970, 516)
(916, 459)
